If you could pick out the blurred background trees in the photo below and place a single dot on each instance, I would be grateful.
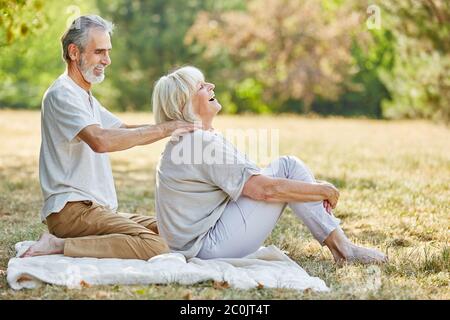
(265, 56)
(18, 19)
(419, 80)
(31, 61)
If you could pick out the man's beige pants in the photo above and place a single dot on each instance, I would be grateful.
(91, 230)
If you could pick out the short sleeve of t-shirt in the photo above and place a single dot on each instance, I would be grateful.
(226, 167)
(69, 113)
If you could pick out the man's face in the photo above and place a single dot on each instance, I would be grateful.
(95, 57)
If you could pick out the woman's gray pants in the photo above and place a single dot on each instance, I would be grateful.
(246, 223)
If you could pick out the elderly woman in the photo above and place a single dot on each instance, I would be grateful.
(212, 202)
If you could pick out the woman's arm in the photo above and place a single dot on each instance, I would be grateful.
(132, 126)
(270, 189)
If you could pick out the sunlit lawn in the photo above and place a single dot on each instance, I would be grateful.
(394, 179)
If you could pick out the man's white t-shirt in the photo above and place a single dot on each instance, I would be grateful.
(69, 170)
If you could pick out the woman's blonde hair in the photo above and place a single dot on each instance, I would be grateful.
(172, 95)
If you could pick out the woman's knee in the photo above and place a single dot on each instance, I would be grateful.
(292, 167)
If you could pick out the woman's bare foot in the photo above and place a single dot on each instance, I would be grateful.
(47, 244)
(366, 255)
(344, 251)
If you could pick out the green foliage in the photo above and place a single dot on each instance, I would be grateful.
(20, 21)
(19, 18)
(365, 92)
(30, 64)
(419, 81)
(263, 55)
(249, 92)
(294, 50)
(148, 42)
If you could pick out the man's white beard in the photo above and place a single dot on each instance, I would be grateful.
(88, 72)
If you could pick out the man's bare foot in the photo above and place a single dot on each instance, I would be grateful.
(344, 251)
(47, 244)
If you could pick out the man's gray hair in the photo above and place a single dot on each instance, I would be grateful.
(78, 32)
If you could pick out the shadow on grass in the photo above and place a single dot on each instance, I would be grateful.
(370, 236)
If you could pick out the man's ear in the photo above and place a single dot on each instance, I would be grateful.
(74, 52)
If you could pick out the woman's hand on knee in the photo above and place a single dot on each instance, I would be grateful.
(327, 207)
(331, 193)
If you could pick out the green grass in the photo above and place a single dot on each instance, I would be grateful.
(395, 196)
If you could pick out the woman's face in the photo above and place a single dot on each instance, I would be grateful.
(204, 103)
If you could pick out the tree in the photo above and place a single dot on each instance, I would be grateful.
(419, 81)
(19, 18)
(29, 64)
(293, 50)
(147, 43)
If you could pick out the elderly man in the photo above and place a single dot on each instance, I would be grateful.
(74, 168)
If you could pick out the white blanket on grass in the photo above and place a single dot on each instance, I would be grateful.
(268, 267)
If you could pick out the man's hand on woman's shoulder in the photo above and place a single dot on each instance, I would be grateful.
(177, 127)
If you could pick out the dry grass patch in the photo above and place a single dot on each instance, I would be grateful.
(394, 181)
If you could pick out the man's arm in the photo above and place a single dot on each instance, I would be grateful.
(115, 139)
(260, 187)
